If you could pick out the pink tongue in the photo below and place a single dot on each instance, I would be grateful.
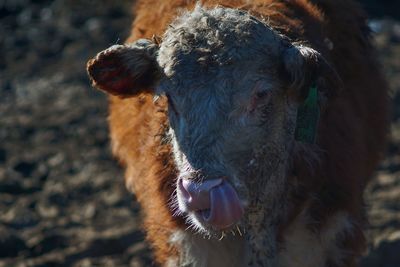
(215, 200)
(226, 208)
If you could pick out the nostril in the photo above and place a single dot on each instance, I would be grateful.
(196, 196)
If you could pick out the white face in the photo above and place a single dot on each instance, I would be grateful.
(232, 121)
(238, 135)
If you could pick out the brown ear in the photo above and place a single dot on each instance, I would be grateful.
(305, 67)
(125, 70)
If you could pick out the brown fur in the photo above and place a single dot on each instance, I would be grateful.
(351, 133)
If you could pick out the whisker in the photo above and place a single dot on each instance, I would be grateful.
(238, 229)
(222, 236)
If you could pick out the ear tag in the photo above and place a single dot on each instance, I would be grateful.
(307, 118)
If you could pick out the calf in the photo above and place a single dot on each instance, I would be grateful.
(248, 129)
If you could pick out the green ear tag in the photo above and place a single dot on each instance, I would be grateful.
(307, 118)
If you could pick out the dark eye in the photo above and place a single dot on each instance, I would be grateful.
(171, 104)
(259, 98)
(262, 93)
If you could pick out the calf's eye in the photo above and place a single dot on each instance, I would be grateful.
(259, 98)
(262, 94)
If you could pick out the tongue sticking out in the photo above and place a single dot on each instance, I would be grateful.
(216, 201)
(225, 207)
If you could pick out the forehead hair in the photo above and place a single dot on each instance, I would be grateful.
(211, 38)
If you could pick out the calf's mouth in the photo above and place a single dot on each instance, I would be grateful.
(213, 202)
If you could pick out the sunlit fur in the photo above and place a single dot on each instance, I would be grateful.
(298, 195)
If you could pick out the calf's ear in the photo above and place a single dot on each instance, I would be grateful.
(305, 67)
(126, 70)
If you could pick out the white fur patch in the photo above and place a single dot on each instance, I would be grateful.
(304, 248)
(197, 251)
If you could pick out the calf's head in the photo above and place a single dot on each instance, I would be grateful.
(234, 87)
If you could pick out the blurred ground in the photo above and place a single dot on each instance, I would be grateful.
(62, 197)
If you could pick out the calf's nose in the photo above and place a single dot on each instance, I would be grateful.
(196, 196)
(215, 201)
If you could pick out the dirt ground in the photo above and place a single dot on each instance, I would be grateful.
(62, 196)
